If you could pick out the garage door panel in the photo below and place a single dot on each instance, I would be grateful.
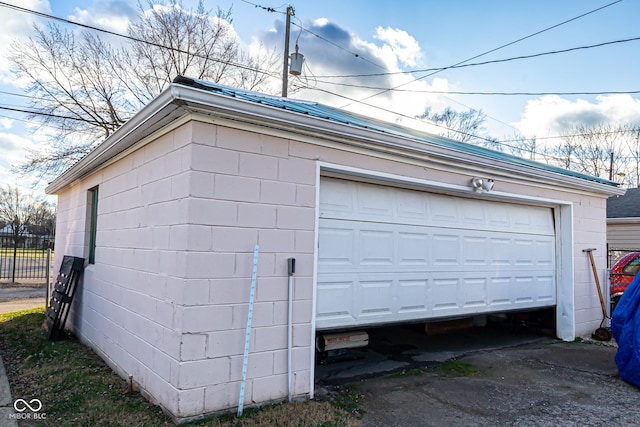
(545, 253)
(387, 254)
(413, 249)
(546, 288)
(411, 207)
(373, 302)
(334, 302)
(337, 201)
(499, 292)
(443, 212)
(524, 252)
(446, 249)
(376, 247)
(412, 297)
(375, 202)
(444, 295)
(380, 300)
(338, 246)
(474, 250)
(474, 292)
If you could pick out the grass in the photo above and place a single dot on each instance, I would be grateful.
(408, 373)
(455, 368)
(349, 402)
(24, 253)
(77, 388)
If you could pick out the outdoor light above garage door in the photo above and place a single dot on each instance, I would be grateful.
(481, 184)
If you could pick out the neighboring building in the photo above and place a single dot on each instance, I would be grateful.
(623, 221)
(386, 224)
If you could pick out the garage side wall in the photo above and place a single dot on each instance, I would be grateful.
(125, 306)
(590, 231)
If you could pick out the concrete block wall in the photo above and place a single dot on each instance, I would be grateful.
(590, 231)
(125, 309)
(246, 189)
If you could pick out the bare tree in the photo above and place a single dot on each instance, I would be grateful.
(631, 174)
(595, 150)
(85, 88)
(44, 218)
(462, 126)
(21, 211)
(22, 214)
(522, 146)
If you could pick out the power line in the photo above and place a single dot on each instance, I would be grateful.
(396, 113)
(102, 30)
(493, 50)
(18, 94)
(610, 132)
(495, 61)
(40, 113)
(355, 54)
(502, 142)
(611, 92)
(267, 8)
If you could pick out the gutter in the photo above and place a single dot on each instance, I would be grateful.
(124, 137)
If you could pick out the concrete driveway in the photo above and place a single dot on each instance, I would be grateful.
(529, 381)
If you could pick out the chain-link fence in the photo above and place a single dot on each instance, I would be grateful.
(27, 257)
(614, 254)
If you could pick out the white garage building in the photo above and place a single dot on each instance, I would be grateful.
(386, 225)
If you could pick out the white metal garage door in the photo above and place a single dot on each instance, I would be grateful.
(388, 255)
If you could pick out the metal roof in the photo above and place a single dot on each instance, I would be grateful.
(321, 111)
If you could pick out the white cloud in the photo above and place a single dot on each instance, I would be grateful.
(6, 123)
(13, 147)
(551, 115)
(17, 24)
(14, 150)
(404, 46)
(336, 51)
(113, 16)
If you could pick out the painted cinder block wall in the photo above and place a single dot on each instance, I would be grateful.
(178, 219)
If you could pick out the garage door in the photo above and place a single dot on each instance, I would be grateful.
(390, 255)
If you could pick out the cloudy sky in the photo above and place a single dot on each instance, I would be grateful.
(354, 49)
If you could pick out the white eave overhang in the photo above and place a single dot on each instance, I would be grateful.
(179, 100)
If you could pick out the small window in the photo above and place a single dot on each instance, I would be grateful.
(91, 224)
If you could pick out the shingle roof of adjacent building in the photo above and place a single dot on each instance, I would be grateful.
(626, 206)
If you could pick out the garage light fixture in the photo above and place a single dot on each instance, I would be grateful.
(481, 185)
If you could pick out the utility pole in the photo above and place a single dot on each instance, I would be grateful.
(611, 167)
(285, 68)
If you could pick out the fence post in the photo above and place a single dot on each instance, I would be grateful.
(48, 293)
(15, 258)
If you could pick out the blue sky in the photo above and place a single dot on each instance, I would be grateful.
(393, 36)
